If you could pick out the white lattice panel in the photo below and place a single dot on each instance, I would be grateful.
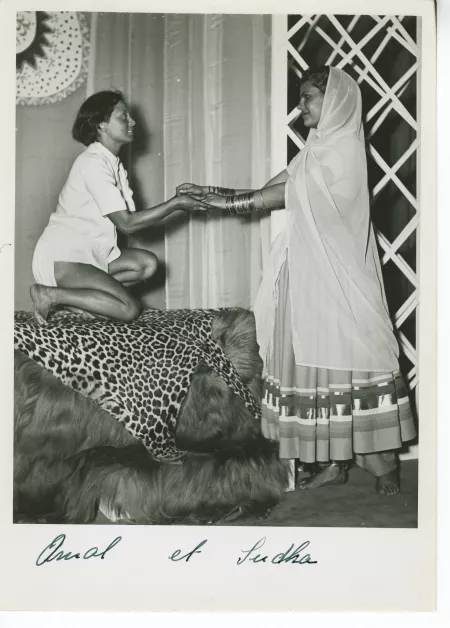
(382, 54)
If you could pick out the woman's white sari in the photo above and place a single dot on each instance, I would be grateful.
(339, 313)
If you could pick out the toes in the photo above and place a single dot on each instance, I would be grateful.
(388, 489)
(381, 488)
(40, 320)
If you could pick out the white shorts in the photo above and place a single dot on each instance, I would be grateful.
(48, 251)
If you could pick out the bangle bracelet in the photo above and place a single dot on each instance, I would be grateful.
(240, 204)
(221, 191)
(262, 199)
(229, 207)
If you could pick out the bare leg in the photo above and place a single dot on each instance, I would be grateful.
(88, 288)
(108, 299)
(133, 267)
(334, 473)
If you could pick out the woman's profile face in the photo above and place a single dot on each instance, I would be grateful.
(310, 105)
(119, 126)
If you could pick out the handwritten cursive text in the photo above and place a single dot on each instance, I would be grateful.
(51, 553)
(176, 555)
(291, 555)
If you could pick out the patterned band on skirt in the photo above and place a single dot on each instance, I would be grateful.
(320, 414)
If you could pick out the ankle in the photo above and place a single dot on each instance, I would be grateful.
(336, 464)
(52, 295)
(40, 290)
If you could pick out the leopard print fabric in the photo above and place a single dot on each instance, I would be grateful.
(138, 372)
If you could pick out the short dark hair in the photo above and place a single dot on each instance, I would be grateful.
(317, 77)
(95, 109)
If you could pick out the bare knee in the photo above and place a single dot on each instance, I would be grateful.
(130, 310)
(149, 264)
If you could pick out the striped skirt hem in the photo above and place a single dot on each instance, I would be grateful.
(320, 414)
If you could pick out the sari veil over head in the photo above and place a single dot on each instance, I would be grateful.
(339, 314)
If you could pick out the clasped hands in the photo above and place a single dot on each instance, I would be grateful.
(197, 198)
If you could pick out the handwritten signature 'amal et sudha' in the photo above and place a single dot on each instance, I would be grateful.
(294, 555)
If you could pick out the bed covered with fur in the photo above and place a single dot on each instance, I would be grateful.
(73, 459)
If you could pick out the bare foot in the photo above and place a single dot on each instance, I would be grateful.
(42, 301)
(306, 469)
(388, 484)
(331, 474)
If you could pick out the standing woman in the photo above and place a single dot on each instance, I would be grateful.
(77, 262)
(331, 374)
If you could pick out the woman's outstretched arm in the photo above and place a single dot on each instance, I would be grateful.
(267, 198)
(130, 222)
(101, 183)
(281, 177)
(201, 191)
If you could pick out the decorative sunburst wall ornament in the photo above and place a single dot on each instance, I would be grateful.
(52, 55)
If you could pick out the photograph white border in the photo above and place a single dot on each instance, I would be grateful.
(358, 569)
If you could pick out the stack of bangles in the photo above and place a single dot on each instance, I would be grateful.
(238, 204)
(243, 203)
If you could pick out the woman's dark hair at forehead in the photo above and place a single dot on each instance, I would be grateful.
(317, 77)
(95, 109)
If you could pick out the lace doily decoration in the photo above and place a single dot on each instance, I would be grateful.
(52, 55)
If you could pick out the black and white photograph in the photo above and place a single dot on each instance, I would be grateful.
(218, 279)
(176, 363)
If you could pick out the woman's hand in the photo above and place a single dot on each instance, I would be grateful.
(215, 201)
(190, 204)
(192, 189)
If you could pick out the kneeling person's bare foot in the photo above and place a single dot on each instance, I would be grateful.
(331, 474)
(389, 483)
(42, 301)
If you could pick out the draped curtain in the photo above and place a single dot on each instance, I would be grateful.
(199, 86)
(216, 132)
(127, 54)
